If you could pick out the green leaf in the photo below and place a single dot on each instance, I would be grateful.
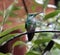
(33, 53)
(6, 38)
(39, 41)
(7, 12)
(55, 51)
(5, 54)
(58, 46)
(45, 4)
(21, 43)
(33, 8)
(2, 54)
(13, 14)
(57, 42)
(5, 32)
(52, 14)
(1, 13)
(16, 8)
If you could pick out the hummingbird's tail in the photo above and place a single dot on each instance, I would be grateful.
(30, 36)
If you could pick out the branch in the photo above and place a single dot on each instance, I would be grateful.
(21, 34)
(25, 6)
(53, 31)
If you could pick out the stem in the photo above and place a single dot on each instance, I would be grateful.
(3, 6)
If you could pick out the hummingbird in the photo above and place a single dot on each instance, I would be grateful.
(30, 25)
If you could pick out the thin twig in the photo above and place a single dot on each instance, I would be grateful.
(53, 31)
(3, 7)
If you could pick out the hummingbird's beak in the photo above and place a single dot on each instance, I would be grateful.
(36, 14)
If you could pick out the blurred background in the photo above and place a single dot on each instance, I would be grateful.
(32, 7)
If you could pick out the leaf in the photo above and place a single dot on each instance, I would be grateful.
(45, 4)
(33, 53)
(39, 41)
(57, 41)
(21, 43)
(55, 51)
(16, 8)
(52, 14)
(8, 11)
(5, 32)
(13, 14)
(33, 8)
(5, 54)
(2, 54)
(1, 13)
(6, 38)
(58, 46)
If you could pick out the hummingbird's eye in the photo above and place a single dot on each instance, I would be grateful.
(31, 15)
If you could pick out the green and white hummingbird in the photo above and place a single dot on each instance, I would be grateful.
(30, 25)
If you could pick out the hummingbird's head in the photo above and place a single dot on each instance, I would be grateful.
(33, 14)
